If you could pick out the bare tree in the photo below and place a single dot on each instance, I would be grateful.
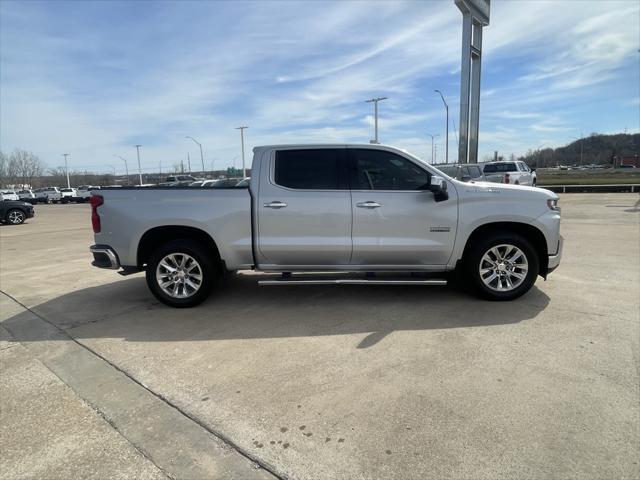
(4, 169)
(27, 166)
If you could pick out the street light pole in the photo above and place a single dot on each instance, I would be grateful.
(201, 155)
(126, 167)
(581, 142)
(432, 147)
(114, 173)
(66, 168)
(139, 167)
(244, 172)
(375, 115)
(446, 143)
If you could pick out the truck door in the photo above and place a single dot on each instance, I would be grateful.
(304, 209)
(395, 220)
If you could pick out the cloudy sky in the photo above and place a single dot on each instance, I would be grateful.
(94, 78)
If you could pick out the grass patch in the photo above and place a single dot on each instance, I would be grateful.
(588, 177)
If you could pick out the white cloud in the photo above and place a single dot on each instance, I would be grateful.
(296, 72)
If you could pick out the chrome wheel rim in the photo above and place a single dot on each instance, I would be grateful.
(503, 267)
(179, 275)
(16, 217)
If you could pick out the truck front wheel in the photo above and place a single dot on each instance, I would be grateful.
(181, 273)
(502, 266)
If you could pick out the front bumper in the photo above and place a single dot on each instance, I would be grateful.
(554, 260)
(104, 257)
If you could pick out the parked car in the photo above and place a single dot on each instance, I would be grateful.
(196, 184)
(28, 196)
(15, 212)
(328, 208)
(41, 195)
(8, 195)
(244, 183)
(517, 173)
(68, 195)
(52, 194)
(221, 183)
(463, 172)
(178, 181)
(83, 193)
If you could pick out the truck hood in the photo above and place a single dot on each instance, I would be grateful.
(511, 190)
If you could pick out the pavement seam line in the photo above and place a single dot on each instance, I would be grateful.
(223, 438)
(84, 401)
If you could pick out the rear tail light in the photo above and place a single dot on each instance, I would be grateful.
(506, 178)
(96, 201)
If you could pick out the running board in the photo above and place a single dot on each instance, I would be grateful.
(349, 281)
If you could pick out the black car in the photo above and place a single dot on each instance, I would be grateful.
(15, 212)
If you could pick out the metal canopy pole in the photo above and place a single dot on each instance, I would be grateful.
(465, 85)
(475, 15)
(476, 61)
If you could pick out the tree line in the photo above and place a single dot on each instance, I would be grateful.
(23, 169)
(595, 149)
(20, 168)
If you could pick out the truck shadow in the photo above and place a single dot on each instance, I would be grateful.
(243, 310)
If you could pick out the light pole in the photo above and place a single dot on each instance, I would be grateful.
(114, 173)
(244, 172)
(66, 168)
(201, 155)
(375, 115)
(126, 167)
(581, 142)
(213, 168)
(432, 147)
(446, 143)
(139, 167)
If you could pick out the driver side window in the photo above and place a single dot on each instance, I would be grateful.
(380, 170)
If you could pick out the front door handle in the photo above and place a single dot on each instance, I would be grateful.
(275, 204)
(368, 205)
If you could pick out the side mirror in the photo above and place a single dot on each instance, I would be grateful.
(438, 186)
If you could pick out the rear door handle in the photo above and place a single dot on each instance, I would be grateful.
(368, 205)
(275, 204)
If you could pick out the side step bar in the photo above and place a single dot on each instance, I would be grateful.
(349, 281)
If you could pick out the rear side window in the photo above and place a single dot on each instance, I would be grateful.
(448, 170)
(381, 170)
(475, 172)
(310, 169)
(500, 167)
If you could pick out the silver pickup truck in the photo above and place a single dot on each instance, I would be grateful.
(355, 213)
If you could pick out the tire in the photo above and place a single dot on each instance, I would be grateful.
(492, 277)
(15, 217)
(534, 183)
(171, 255)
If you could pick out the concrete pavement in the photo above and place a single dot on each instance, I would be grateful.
(371, 382)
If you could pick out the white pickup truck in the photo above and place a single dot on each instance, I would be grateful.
(367, 214)
(516, 173)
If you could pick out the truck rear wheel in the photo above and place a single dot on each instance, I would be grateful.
(502, 266)
(181, 273)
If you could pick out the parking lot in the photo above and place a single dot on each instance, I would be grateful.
(99, 379)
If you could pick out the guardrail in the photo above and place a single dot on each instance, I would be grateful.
(614, 187)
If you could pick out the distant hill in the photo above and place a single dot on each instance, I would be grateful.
(596, 149)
